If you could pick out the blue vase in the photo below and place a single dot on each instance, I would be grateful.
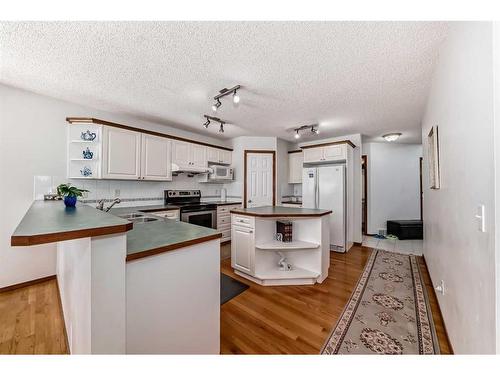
(70, 201)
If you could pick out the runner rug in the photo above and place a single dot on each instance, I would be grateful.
(388, 312)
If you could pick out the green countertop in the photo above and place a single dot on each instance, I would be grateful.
(155, 237)
(280, 211)
(52, 221)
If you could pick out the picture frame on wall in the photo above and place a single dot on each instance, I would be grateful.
(433, 157)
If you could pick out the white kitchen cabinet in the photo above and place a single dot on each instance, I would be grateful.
(181, 154)
(224, 220)
(121, 154)
(198, 155)
(325, 153)
(295, 161)
(242, 248)
(156, 164)
(188, 155)
(217, 155)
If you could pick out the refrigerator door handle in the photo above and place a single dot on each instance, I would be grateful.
(316, 193)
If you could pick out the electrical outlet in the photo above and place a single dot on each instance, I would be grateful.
(117, 193)
(440, 288)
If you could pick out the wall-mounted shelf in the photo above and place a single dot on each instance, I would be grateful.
(294, 245)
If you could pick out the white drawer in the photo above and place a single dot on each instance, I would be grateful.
(226, 219)
(222, 209)
(223, 227)
(244, 221)
(226, 235)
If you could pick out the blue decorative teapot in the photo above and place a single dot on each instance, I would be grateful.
(86, 172)
(87, 154)
(88, 136)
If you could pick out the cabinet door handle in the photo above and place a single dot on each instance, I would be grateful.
(250, 231)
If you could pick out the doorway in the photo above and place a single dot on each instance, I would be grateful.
(259, 187)
(421, 190)
(364, 197)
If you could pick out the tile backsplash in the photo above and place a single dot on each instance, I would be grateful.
(109, 189)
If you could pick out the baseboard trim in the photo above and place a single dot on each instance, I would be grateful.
(440, 311)
(27, 283)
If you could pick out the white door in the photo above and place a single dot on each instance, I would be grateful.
(180, 153)
(198, 155)
(242, 249)
(312, 155)
(156, 162)
(259, 180)
(121, 156)
(331, 194)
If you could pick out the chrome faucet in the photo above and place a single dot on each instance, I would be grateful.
(100, 204)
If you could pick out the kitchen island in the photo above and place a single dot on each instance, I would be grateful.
(129, 287)
(259, 255)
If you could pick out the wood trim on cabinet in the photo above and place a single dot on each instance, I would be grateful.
(163, 249)
(330, 144)
(82, 120)
(253, 214)
(38, 239)
(273, 152)
(27, 283)
(294, 151)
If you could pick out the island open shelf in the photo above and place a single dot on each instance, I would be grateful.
(257, 255)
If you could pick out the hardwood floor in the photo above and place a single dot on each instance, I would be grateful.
(298, 319)
(31, 320)
(262, 320)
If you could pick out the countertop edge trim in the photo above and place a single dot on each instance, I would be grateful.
(279, 215)
(39, 239)
(179, 245)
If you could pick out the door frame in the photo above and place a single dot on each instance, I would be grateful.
(364, 176)
(245, 154)
(420, 162)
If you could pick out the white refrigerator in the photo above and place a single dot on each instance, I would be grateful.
(324, 187)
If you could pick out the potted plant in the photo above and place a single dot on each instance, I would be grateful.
(70, 193)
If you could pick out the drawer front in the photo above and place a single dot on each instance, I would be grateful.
(226, 235)
(221, 220)
(222, 227)
(243, 221)
(223, 209)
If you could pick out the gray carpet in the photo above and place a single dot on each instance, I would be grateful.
(230, 288)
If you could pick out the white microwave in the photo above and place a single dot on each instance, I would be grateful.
(220, 172)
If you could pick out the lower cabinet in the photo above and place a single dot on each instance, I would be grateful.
(242, 248)
(224, 221)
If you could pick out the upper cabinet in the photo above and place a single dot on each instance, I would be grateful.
(189, 155)
(121, 154)
(219, 156)
(295, 161)
(156, 163)
(325, 153)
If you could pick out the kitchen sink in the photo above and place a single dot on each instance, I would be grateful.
(142, 219)
(132, 216)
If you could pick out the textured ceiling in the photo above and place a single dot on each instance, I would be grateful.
(350, 77)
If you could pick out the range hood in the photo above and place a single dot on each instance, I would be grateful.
(189, 169)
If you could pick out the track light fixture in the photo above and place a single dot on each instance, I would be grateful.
(225, 92)
(215, 119)
(216, 105)
(313, 128)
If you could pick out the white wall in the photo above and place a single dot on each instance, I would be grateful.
(33, 143)
(393, 183)
(357, 191)
(461, 104)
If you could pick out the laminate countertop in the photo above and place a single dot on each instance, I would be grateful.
(52, 221)
(280, 211)
(156, 237)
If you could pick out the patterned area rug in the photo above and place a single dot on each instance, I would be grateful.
(388, 312)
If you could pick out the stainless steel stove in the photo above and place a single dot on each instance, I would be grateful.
(192, 210)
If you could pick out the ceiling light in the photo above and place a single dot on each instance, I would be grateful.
(221, 129)
(391, 137)
(216, 105)
(314, 130)
(206, 123)
(297, 135)
(236, 97)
